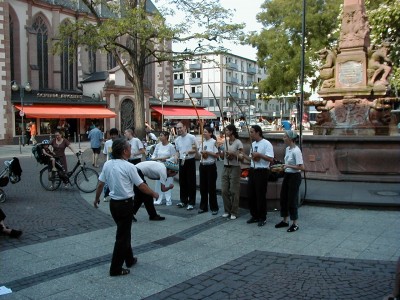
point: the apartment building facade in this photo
(223, 76)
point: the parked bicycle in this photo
(85, 178)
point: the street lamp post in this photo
(228, 113)
(163, 97)
(249, 89)
(15, 87)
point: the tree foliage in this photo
(136, 34)
(384, 18)
(279, 43)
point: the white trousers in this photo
(167, 194)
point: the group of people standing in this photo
(125, 174)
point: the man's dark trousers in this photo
(122, 213)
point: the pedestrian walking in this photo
(59, 145)
(186, 147)
(208, 172)
(291, 182)
(96, 137)
(260, 157)
(121, 176)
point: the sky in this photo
(246, 11)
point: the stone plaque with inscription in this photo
(350, 73)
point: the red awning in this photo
(66, 111)
(176, 112)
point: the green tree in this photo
(384, 18)
(136, 34)
(279, 43)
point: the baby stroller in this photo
(11, 173)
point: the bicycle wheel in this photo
(2, 196)
(48, 180)
(86, 180)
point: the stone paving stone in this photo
(294, 277)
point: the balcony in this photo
(196, 66)
(232, 80)
(251, 70)
(235, 95)
(179, 81)
(178, 68)
(197, 95)
(179, 96)
(231, 66)
(195, 81)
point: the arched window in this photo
(111, 62)
(42, 51)
(127, 111)
(67, 66)
(92, 60)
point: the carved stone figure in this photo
(380, 64)
(327, 70)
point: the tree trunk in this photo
(139, 108)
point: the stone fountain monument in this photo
(355, 81)
(352, 140)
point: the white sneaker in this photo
(233, 217)
(225, 215)
(157, 202)
(168, 203)
(190, 207)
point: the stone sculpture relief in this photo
(327, 70)
(355, 29)
(379, 64)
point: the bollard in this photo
(19, 142)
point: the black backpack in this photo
(38, 153)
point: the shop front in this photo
(72, 114)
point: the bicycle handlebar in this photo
(79, 153)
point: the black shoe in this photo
(134, 219)
(15, 233)
(156, 218)
(252, 220)
(293, 228)
(122, 272)
(282, 224)
(200, 211)
(129, 265)
(262, 223)
(214, 212)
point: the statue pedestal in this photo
(351, 69)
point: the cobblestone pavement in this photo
(267, 275)
(46, 215)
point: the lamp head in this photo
(14, 86)
(28, 87)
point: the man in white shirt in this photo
(107, 152)
(121, 176)
(156, 171)
(137, 148)
(186, 148)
